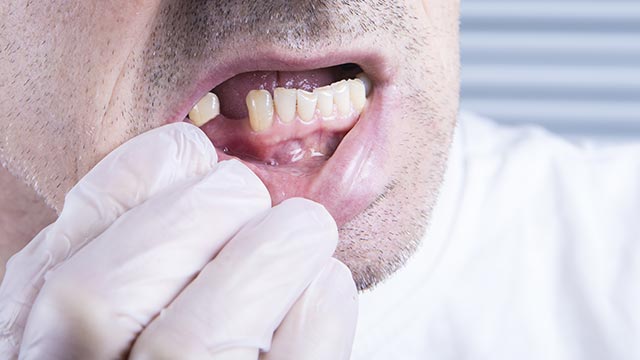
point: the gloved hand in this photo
(162, 252)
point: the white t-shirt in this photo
(533, 252)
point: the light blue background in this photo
(572, 66)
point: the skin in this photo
(78, 78)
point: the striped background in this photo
(570, 65)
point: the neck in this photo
(22, 215)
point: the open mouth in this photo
(288, 120)
(315, 132)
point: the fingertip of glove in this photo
(315, 210)
(337, 275)
(313, 218)
(191, 133)
(245, 178)
(177, 140)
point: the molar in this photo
(260, 106)
(306, 105)
(206, 109)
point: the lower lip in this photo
(352, 178)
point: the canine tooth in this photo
(357, 94)
(366, 81)
(341, 97)
(206, 109)
(260, 106)
(285, 102)
(325, 100)
(306, 105)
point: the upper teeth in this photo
(339, 99)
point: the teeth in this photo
(285, 101)
(306, 105)
(325, 100)
(341, 97)
(357, 94)
(260, 107)
(366, 81)
(206, 109)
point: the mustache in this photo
(187, 33)
(188, 24)
(192, 26)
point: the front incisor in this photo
(306, 105)
(260, 106)
(325, 101)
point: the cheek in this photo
(111, 46)
(98, 45)
(64, 58)
(441, 19)
(442, 16)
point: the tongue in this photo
(232, 93)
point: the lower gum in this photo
(293, 152)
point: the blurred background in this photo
(572, 66)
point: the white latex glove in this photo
(161, 249)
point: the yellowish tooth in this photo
(285, 102)
(260, 106)
(366, 81)
(325, 100)
(357, 94)
(206, 109)
(306, 105)
(341, 97)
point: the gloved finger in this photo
(134, 172)
(102, 297)
(322, 323)
(234, 305)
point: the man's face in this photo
(78, 78)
